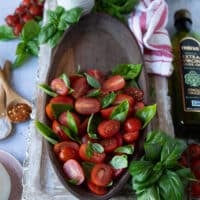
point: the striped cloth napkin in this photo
(148, 22)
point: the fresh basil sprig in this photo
(58, 21)
(157, 174)
(28, 45)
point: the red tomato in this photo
(57, 147)
(74, 171)
(132, 124)
(59, 86)
(138, 105)
(49, 111)
(96, 74)
(106, 112)
(87, 106)
(83, 127)
(194, 151)
(17, 29)
(195, 167)
(67, 153)
(36, 10)
(80, 87)
(136, 93)
(108, 128)
(109, 144)
(56, 126)
(96, 189)
(95, 158)
(114, 83)
(85, 139)
(27, 17)
(20, 10)
(183, 160)
(65, 121)
(62, 100)
(12, 20)
(195, 189)
(122, 97)
(131, 137)
(26, 3)
(101, 174)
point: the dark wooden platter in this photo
(97, 41)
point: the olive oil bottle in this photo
(185, 84)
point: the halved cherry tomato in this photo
(119, 138)
(56, 127)
(95, 158)
(57, 147)
(80, 87)
(194, 151)
(63, 119)
(59, 86)
(87, 106)
(132, 124)
(108, 128)
(114, 83)
(67, 153)
(96, 189)
(96, 74)
(109, 144)
(49, 111)
(131, 137)
(122, 97)
(74, 171)
(101, 174)
(106, 112)
(62, 100)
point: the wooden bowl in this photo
(97, 41)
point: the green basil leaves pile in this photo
(158, 174)
(116, 8)
(58, 21)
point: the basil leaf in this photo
(152, 151)
(172, 151)
(150, 193)
(21, 48)
(87, 167)
(185, 174)
(92, 81)
(20, 59)
(70, 134)
(94, 93)
(108, 99)
(72, 123)
(119, 162)
(93, 147)
(46, 132)
(120, 112)
(33, 47)
(59, 11)
(72, 16)
(59, 108)
(66, 80)
(30, 30)
(72, 181)
(6, 33)
(63, 25)
(47, 90)
(127, 149)
(157, 137)
(46, 33)
(93, 122)
(52, 16)
(54, 40)
(146, 114)
(140, 170)
(128, 71)
(171, 186)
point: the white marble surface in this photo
(22, 80)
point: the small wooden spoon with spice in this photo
(18, 109)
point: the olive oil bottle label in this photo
(190, 74)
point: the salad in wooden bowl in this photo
(96, 107)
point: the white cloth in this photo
(148, 22)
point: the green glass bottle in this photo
(185, 84)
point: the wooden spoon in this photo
(18, 109)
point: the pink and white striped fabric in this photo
(148, 23)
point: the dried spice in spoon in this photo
(18, 109)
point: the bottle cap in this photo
(182, 14)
